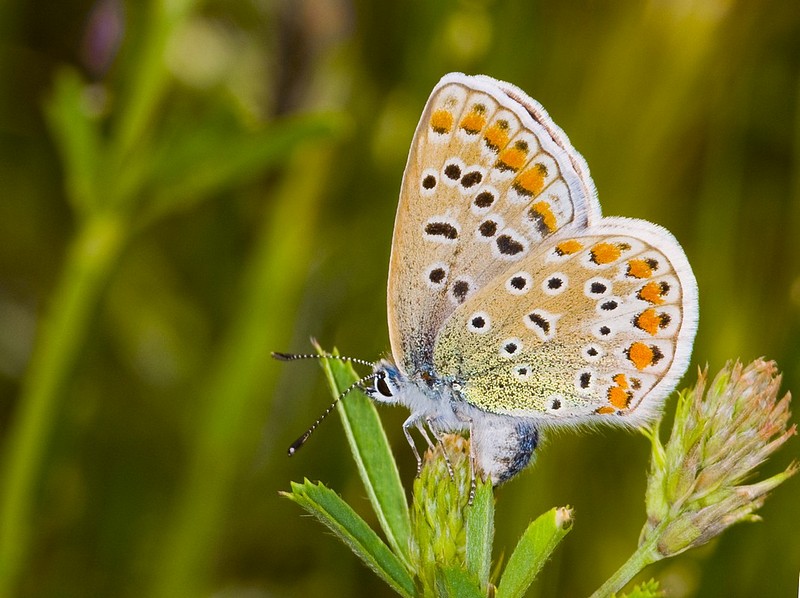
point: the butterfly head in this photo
(387, 384)
(429, 397)
(420, 392)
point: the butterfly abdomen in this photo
(503, 445)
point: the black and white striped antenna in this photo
(297, 444)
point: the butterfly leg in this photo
(414, 421)
(469, 422)
(439, 439)
(473, 486)
(424, 433)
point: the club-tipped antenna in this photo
(295, 446)
(295, 356)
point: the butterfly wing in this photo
(489, 177)
(590, 323)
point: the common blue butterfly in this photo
(513, 305)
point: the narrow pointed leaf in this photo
(199, 163)
(77, 137)
(373, 456)
(339, 517)
(532, 551)
(452, 582)
(480, 533)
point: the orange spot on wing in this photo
(531, 181)
(641, 268)
(620, 380)
(641, 355)
(648, 320)
(473, 122)
(605, 253)
(512, 158)
(604, 410)
(541, 211)
(653, 293)
(568, 247)
(619, 397)
(496, 136)
(442, 121)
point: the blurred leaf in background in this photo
(241, 160)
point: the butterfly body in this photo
(514, 306)
(503, 444)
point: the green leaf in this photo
(77, 137)
(373, 456)
(194, 164)
(532, 551)
(330, 509)
(452, 582)
(480, 533)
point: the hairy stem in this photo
(646, 554)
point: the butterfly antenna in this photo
(295, 446)
(295, 356)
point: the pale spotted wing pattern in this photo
(582, 330)
(506, 281)
(489, 177)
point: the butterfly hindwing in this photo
(590, 324)
(489, 177)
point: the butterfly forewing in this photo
(489, 178)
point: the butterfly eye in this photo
(382, 387)
(608, 305)
(452, 171)
(521, 372)
(461, 288)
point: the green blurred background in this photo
(187, 186)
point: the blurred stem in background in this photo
(90, 259)
(233, 412)
(117, 183)
(102, 202)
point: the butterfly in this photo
(514, 306)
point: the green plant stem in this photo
(231, 402)
(645, 555)
(148, 79)
(90, 259)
